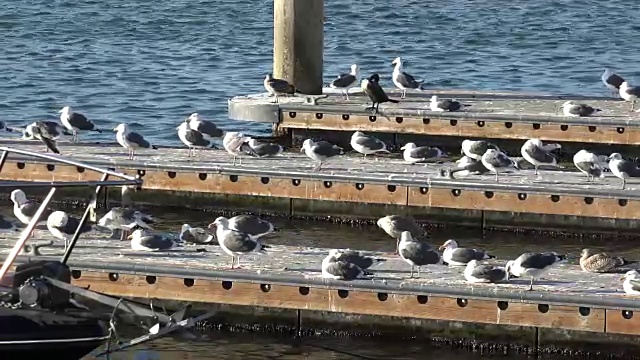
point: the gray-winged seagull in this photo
(332, 268)
(344, 82)
(235, 243)
(476, 148)
(445, 105)
(131, 140)
(600, 262)
(75, 122)
(403, 80)
(355, 257)
(277, 87)
(496, 161)
(236, 144)
(630, 93)
(264, 149)
(484, 273)
(395, 225)
(141, 240)
(569, 108)
(466, 166)
(537, 153)
(62, 226)
(195, 235)
(208, 129)
(417, 253)
(126, 219)
(458, 256)
(367, 144)
(251, 225)
(45, 133)
(589, 164)
(623, 169)
(193, 139)
(320, 151)
(611, 81)
(533, 265)
(25, 209)
(631, 284)
(414, 154)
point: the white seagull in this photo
(131, 140)
(208, 129)
(251, 225)
(367, 144)
(476, 148)
(277, 87)
(445, 105)
(320, 151)
(612, 81)
(141, 240)
(62, 226)
(264, 149)
(484, 273)
(25, 209)
(414, 154)
(417, 253)
(344, 82)
(630, 93)
(589, 164)
(457, 256)
(533, 265)
(75, 122)
(333, 268)
(195, 235)
(236, 143)
(495, 161)
(193, 138)
(537, 153)
(631, 284)
(403, 80)
(623, 169)
(235, 243)
(577, 110)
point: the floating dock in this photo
(351, 187)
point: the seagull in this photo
(374, 91)
(594, 262)
(575, 110)
(55, 130)
(7, 226)
(623, 169)
(131, 140)
(208, 129)
(62, 226)
(277, 87)
(332, 268)
(445, 105)
(484, 273)
(75, 122)
(496, 160)
(414, 154)
(195, 235)
(402, 80)
(25, 209)
(395, 225)
(265, 149)
(612, 81)
(236, 143)
(629, 93)
(367, 144)
(251, 225)
(126, 219)
(235, 243)
(417, 253)
(533, 265)
(466, 166)
(193, 138)
(355, 257)
(320, 151)
(41, 131)
(143, 241)
(631, 283)
(588, 163)
(455, 256)
(476, 148)
(344, 82)
(537, 153)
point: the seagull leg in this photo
(239, 160)
(624, 183)
(535, 169)
(633, 105)
(404, 93)
(233, 261)
(346, 93)
(531, 286)
(496, 176)
(418, 271)
(234, 159)
(411, 275)
(318, 167)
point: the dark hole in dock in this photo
(555, 198)
(508, 125)
(543, 308)
(522, 196)
(141, 173)
(303, 290)
(51, 167)
(343, 294)
(584, 311)
(453, 122)
(265, 288)
(295, 182)
(189, 282)
(359, 186)
(424, 190)
(113, 276)
(79, 169)
(151, 279)
(456, 192)
(592, 128)
(399, 119)
(233, 178)
(383, 296)
(503, 305)
(588, 200)
(345, 117)
(391, 188)
(171, 174)
(564, 127)
(627, 314)
(202, 176)
(620, 130)
(480, 123)
(422, 299)
(292, 114)
(328, 184)
(426, 121)
(623, 202)
(264, 180)
(319, 116)
(20, 165)
(372, 118)
(536, 126)
(76, 274)
(488, 194)
(227, 285)
(462, 302)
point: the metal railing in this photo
(124, 180)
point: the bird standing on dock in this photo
(445, 105)
(395, 225)
(630, 93)
(417, 253)
(193, 139)
(62, 226)
(75, 122)
(414, 154)
(251, 225)
(623, 169)
(320, 151)
(55, 130)
(277, 87)
(141, 240)
(374, 91)
(25, 209)
(264, 149)
(533, 265)
(208, 129)
(457, 256)
(484, 273)
(131, 140)
(126, 219)
(46, 133)
(333, 268)
(403, 80)
(476, 148)
(235, 243)
(367, 144)
(236, 143)
(631, 284)
(537, 153)
(195, 235)
(496, 161)
(611, 81)
(355, 257)
(345, 82)
(595, 262)
(577, 110)
(588, 163)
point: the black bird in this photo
(372, 88)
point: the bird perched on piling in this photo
(631, 284)
(600, 262)
(367, 144)
(195, 235)
(611, 81)
(403, 80)
(62, 226)
(630, 93)
(475, 272)
(417, 253)
(476, 148)
(414, 154)
(589, 164)
(277, 87)
(320, 151)
(537, 153)
(458, 256)
(48, 132)
(533, 265)
(25, 209)
(193, 139)
(497, 161)
(142, 240)
(445, 105)
(623, 169)
(236, 144)
(76, 122)
(264, 149)
(334, 268)
(207, 128)
(374, 91)
(235, 243)
(577, 110)
(355, 257)
(131, 140)
(345, 82)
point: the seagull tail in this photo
(488, 256)
(51, 145)
(367, 273)
(393, 101)
(597, 110)
(422, 86)
(154, 147)
(465, 105)
(98, 130)
(379, 259)
(263, 248)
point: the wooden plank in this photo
(42, 172)
(623, 322)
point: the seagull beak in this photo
(130, 237)
(623, 278)
(441, 247)
(115, 130)
(301, 149)
(212, 226)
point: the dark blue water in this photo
(156, 61)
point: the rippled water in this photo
(155, 61)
